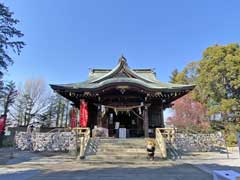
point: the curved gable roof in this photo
(122, 74)
(122, 67)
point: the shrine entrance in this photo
(127, 121)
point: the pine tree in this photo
(8, 37)
(9, 95)
(173, 76)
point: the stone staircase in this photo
(130, 151)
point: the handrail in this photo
(161, 143)
(83, 136)
(168, 133)
(164, 137)
(58, 130)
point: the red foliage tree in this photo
(189, 115)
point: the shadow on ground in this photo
(15, 157)
(168, 172)
(67, 168)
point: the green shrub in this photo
(231, 139)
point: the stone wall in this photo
(200, 142)
(66, 141)
(37, 141)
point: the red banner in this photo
(83, 113)
(73, 118)
(2, 123)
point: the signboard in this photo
(122, 133)
(117, 124)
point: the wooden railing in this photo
(59, 130)
(82, 138)
(161, 143)
(164, 136)
(168, 134)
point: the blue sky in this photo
(66, 37)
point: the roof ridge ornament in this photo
(122, 59)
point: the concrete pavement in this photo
(59, 166)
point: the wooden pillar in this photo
(99, 118)
(145, 121)
(162, 119)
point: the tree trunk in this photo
(6, 104)
(49, 116)
(58, 113)
(62, 115)
(66, 114)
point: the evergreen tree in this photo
(173, 76)
(8, 38)
(58, 111)
(219, 80)
(9, 95)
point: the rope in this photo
(123, 108)
(137, 115)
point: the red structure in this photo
(73, 118)
(83, 114)
(2, 124)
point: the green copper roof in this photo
(122, 75)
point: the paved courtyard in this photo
(104, 172)
(27, 165)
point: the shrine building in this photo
(134, 98)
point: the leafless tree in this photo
(32, 101)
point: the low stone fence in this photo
(66, 141)
(55, 141)
(200, 142)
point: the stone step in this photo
(125, 149)
(124, 144)
(120, 147)
(119, 157)
(121, 150)
(124, 154)
(124, 141)
(121, 139)
(145, 162)
(121, 144)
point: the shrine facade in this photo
(133, 99)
